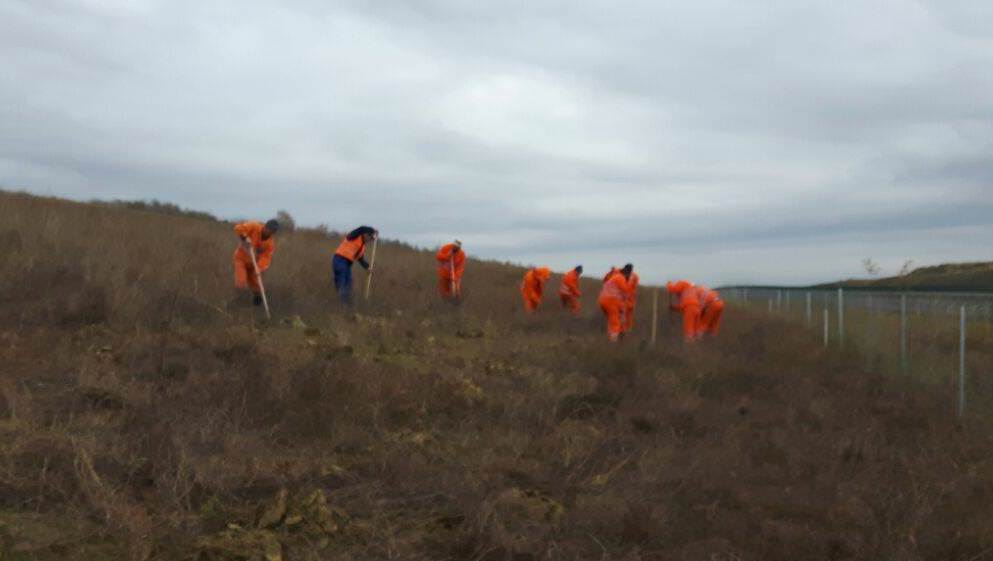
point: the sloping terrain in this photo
(147, 412)
(950, 276)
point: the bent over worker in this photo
(569, 290)
(257, 236)
(632, 299)
(350, 250)
(533, 286)
(451, 265)
(613, 301)
(684, 297)
(712, 309)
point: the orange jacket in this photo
(616, 289)
(609, 274)
(352, 250)
(534, 282)
(263, 248)
(445, 257)
(685, 294)
(706, 296)
(570, 284)
(633, 281)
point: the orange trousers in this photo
(629, 317)
(710, 322)
(614, 310)
(531, 302)
(244, 275)
(691, 322)
(445, 287)
(571, 302)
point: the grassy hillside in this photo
(147, 412)
(953, 276)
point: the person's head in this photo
(368, 237)
(578, 269)
(626, 271)
(458, 245)
(270, 229)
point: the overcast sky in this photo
(779, 141)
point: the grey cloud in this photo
(720, 138)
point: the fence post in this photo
(841, 317)
(746, 296)
(787, 301)
(655, 314)
(962, 362)
(770, 305)
(809, 316)
(779, 299)
(903, 332)
(827, 333)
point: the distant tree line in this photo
(159, 207)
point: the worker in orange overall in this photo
(610, 273)
(632, 300)
(712, 309)
(613, 301)
(684, 298)
(257, 236)
(533, 286)
(350, 250)
(569, 290)
(451, 265)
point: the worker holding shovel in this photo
(350, 250)
(451, 265)
(684, 298)
(253, 256)
(569, 291)
(632, 299)
(533, 286)
(613, 301)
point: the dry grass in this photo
(147, 413)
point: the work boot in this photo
(257, 300)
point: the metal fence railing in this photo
(942, 339)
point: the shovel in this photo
(258, 277)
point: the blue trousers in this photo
(342, 278)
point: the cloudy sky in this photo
(776, 141)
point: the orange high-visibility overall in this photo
(713, 310)
(244, 273)
(632, 301)
(533, 286)
(685, 299)
(613, 302)
(569, 292)
(451, 265)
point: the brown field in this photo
(148, 412)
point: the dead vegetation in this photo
(147, 413)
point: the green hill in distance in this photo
(950, 276)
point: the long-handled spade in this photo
(456, 291)
(372, 266)
(258, 277)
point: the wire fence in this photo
(940, 339)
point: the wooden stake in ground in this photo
(451, 265)
(258, 278)
(372, 265)
(655, 313)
